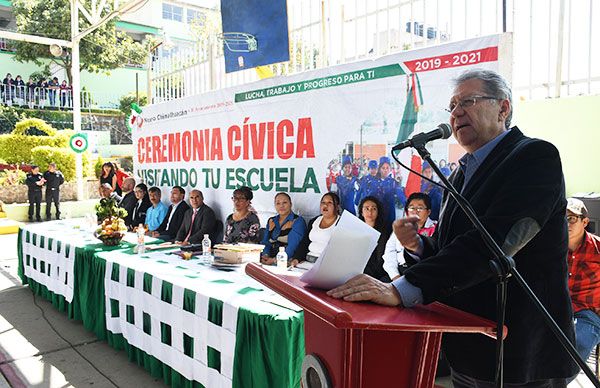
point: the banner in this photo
(300, 133)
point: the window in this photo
(193, 15)
(172, 12)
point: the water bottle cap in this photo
(281, 249)
(206, 235)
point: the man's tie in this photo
(169, 216)
(135, 211)
(191, 224)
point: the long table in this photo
(183, 321)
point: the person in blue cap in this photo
(388, 191)
(368, 183)
(444, 168)
(347, 186)
(434, 191)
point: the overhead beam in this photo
(34, 39)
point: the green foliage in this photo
(12, 177)
(126, 100)
(24, 127)
(104, 49)
(45, 73)
(98, 167)
(64, 159)
(126, 163)
(18, 148)
(107, 207)
(10, 115)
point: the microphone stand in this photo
(504, 268)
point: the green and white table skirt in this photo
(183, 321)
(183, 313)
(48, 257)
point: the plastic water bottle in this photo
(206, 245)
(282, 258)
(141, 248)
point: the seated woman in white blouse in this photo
(417, 204)
(319, 230)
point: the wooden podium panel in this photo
(367, 345)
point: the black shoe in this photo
(58, 217)
(39, 219)
(30, 219)
(48, 218)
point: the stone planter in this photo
(68, 192)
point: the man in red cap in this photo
(584, 277)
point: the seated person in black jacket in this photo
(128, 199)
(197, 221)
(370, 210)
(167, 231)
(143, 203)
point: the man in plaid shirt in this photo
(584, 277)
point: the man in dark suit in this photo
(516, 187)
(128, 200)
(198, 221)
(167, 230)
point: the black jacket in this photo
(53, 179)
(176, 221)
(138, 214)
(374, 266)
(128, 202)
(31, 182)
(204, 223)
(518, 193)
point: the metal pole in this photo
(149, 78)
(503, 15)
(211, 64)
(559, 49)
(75, 87)
(137, 88)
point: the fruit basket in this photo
(110, 239)
(112, 229)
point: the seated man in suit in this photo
(128, 199)
(198, 221)
(172, 222)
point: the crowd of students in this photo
(187, 224)
(42, 93)
(380, 179)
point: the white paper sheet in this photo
(345, 256)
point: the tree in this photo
(104, 49)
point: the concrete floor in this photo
(41, 347)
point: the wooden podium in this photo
(367, 345)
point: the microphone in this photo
(443, 131)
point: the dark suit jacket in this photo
(176, 221)
(128, 202)
(140, 216)
(204, 223)
(518, 193)
(374, 266)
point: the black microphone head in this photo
(446, 130)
